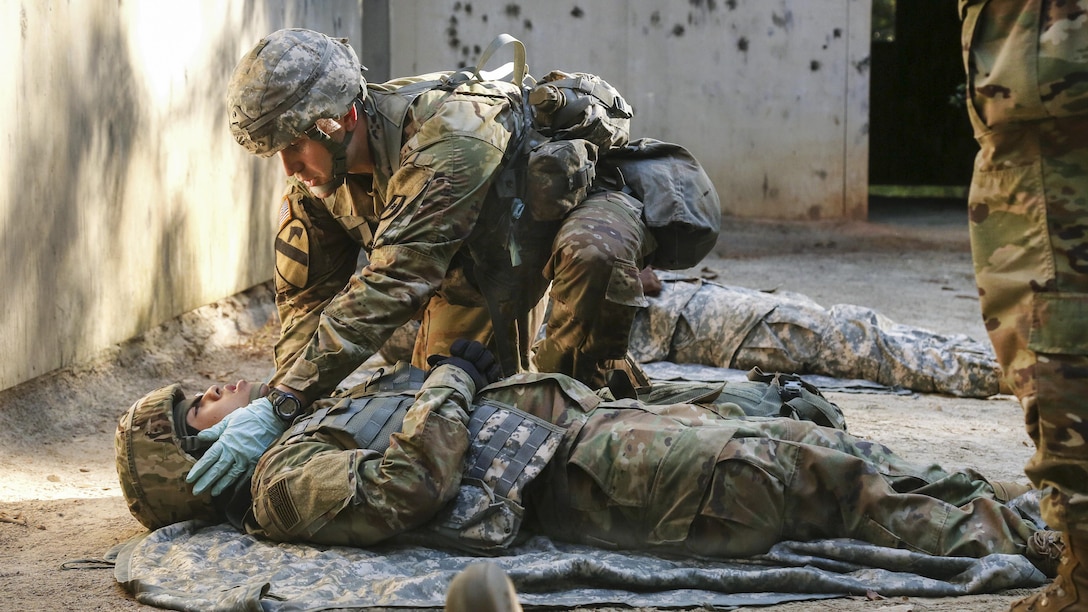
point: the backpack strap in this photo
(518, 69)
(510, 325)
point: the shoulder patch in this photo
(285, 211)
(293, 253)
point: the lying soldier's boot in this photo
(1005, 491)
(482, 587)
(1069, 591)
(1045, 550)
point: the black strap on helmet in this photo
(339, 150)
(193, 445)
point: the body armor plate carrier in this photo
(508, 448)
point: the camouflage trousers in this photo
(778, 479)
(1029, 227)
(698, 321)
(595, 288)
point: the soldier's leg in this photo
(849, 341)
(790, 480)
(1028, 207)
(595, 290)
(787, 332)
(1029, 227)
(442, 323)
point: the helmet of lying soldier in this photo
(156, 443)
(156, 446)
(154, 455)
(288, 82)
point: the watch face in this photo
(286, 406)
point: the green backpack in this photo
(762, 395)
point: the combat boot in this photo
(1069, 591)
(482, 587)
(1007, 491)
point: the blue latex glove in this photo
(239, 440)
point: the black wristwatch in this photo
(285, 405)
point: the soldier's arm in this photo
(315, 257)
(421, 470)
(433, 202)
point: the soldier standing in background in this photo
(1027, 71)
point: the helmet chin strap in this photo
(339, 151)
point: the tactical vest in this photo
(508, 449)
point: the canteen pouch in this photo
(558, 177)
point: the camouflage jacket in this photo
(617, 468)
(437, 152)
(609, 459)
(601, 474)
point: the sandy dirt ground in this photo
(59, 498)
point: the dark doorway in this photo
(920, 140)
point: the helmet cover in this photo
(292, 78)
(152, 463)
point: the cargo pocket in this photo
(1059, 324)
(1059, 337)
(558, 177)
(406, 189)
(624, 286)
(1003, 62)
(1009, 235)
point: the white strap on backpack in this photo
(516, 71)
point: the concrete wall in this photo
(127, 203)
(771, 95)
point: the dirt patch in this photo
(59, 499)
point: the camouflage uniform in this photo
(1027, 67)
(698, 321)
(677, 477)
(430, 221)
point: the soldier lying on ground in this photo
(464, 467)
(693, 320)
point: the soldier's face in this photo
(220, 400)
(308, 161)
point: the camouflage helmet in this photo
(153, 458)
(292, 78)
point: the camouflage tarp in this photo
(192, 566)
